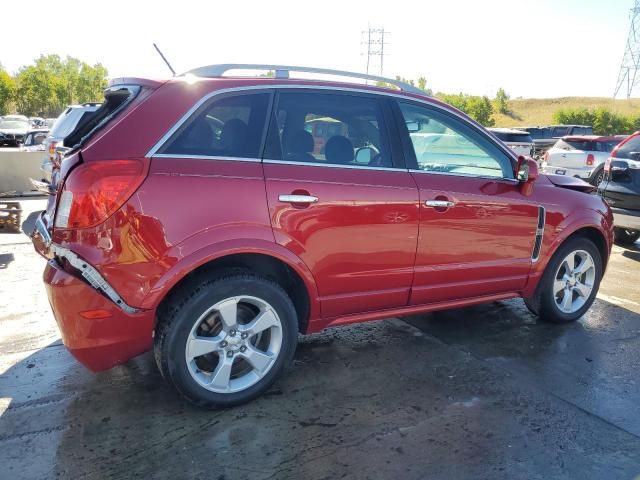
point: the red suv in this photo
(213, 218)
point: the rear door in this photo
(341, 199)
(477, 229)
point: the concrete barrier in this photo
(17, 167)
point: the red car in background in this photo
(197, 218)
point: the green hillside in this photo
(539, 111)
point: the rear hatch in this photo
(118, 100)
(568, 153)
(621, 187)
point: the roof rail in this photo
(283, 71)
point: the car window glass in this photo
(329, 128)
(630, 149)
(444, 146)
(228, 127)
(560, 131)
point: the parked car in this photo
(63, 126)
(34, 140)
(194, 217)
(621, 188)
(545, 137)
(19, 118)
(12, 131)
(517, 140)
(580, 156)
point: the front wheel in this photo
(597, 177)
(224, 341)
(624, 236)
(570, 282)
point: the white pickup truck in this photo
(581, 156)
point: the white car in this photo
(519, 141)
(12, 131)
(581, 156)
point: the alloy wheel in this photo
(574, 280)
(233, 344)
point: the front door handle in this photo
(439, 203)
(298, 199)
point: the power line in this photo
(628, 76)
(375, 40)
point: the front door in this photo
(477, 229)
(340, 199)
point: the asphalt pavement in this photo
(480, 392)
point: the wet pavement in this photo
(481, 392)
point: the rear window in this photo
(115, 100)
(513, 137)
(68, 121)
(606, 146)
(575, 145)
(630, 150)
(226, 127)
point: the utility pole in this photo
(628, 75)
(375, 42)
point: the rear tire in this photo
(570, 282)
(223, 341)
(624, 236)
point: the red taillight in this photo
(590, 159)
(95, 190)
(52, 150)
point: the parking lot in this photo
(482, 392)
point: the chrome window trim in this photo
(208, 157)
(266, 88)
(468, 175)
(334, 165)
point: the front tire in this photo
(597, 177)
(624, 236)
(570, 282)
(224, 341)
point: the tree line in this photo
(480, 108)
(603, 121)
(45, 87)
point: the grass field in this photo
(539, 111)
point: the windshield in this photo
(13, 124)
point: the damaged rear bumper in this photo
(98, 327)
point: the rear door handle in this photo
(298, 199)
(439, 203)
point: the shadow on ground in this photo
(482, 392)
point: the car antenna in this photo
(173, 72)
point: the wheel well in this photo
(598, 239)
(270, 267)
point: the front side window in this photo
(328, 128)
(444, 145)
(227, 127)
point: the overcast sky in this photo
(541, 48)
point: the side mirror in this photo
(526, 170)
(619, 170)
